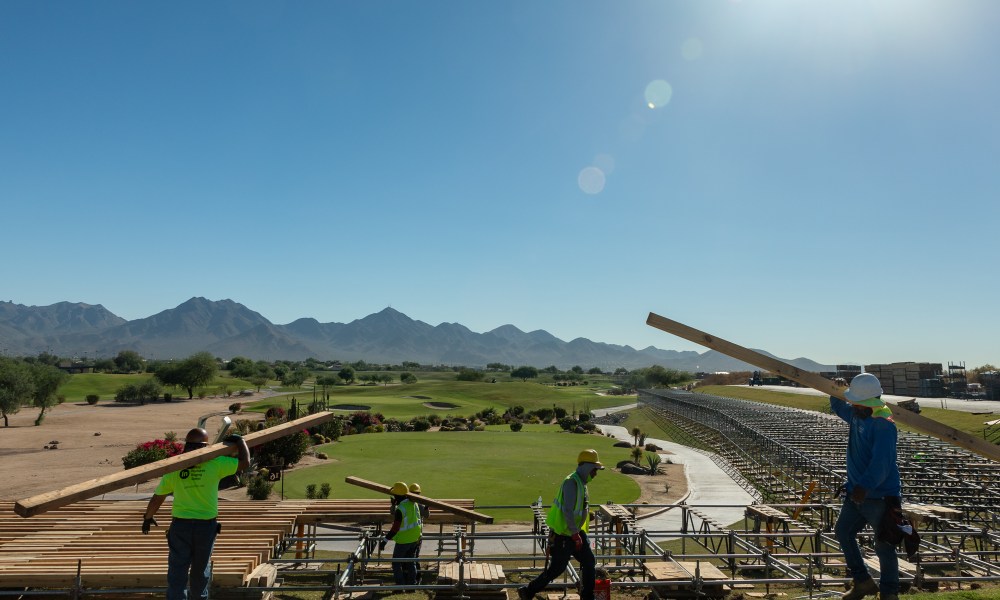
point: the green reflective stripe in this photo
(411, 527)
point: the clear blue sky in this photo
(816, 178)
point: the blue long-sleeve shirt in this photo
(871, 453)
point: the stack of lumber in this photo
(104, 539)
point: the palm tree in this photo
(636, 454)
(635, 435)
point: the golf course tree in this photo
(407, 377)
(195, 371)
(295, 377)
(259, 374)
(47, 380)
(524, 373)
(16, 386)
(347, 374)
(129, 361)
(241, 367)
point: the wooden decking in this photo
(104, 539)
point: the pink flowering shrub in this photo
(153, 451)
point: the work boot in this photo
(523, 593)
(868, 587)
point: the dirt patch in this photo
(440, 405)
(666, 488)
(350, 407)
(28, 469)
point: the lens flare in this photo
(605, 162)
(591, 180)
(658, 93)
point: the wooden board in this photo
(88, 489)
(682, 571)
(458, 510)
(474, 572)
(818, 382)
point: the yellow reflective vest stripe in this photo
(556, 519)
(412, 526)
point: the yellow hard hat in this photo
(589, 456)
(399, 489)
(414, 488)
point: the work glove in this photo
(232, 438)
(381, 544)
(146, 523)
(858, 494)
(577, 541)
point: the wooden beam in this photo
(88, 489)
(818, 382)
(458, 510)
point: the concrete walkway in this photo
(972, 406)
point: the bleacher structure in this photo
(790, 460)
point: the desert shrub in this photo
(588, 426)
(286, 450)
(324, 490)
(170, 436)
(322, 455)
(311, 491)
(420, 424)
(245, 426)
(153, 451)
(334, 428)
(544, 414)
(235, 407)
(567, 423)
(318, 438)
(516, 426)
(517, 411)
(168, 397)
(259, 488)
(560, 412)
(584, 416)
(276, 413)
(92, 399)
(653, 460)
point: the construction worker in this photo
(406, 531)
(872, 485)
(567, 520)
(193, 526)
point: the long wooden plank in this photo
(818, 382)
(458, 510)
(87, 489)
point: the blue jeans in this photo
(559, 554)
(405, 573)
(852, 520)
(190, 542)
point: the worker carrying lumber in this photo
(193, 526)
(568, 519)
(406, 531)
(873, 485)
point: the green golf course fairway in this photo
(496, 468)
(468, 397)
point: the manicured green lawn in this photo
(407, 401)
(494, 467)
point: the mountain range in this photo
(227, 328)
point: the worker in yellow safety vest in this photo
(567, 520)
(406, 530)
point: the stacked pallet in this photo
(903, 378)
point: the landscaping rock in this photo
(652, 448)
(622, 445)
(633, 469)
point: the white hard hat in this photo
(865, 388)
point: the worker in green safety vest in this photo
(406, 530)
(567, 520)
